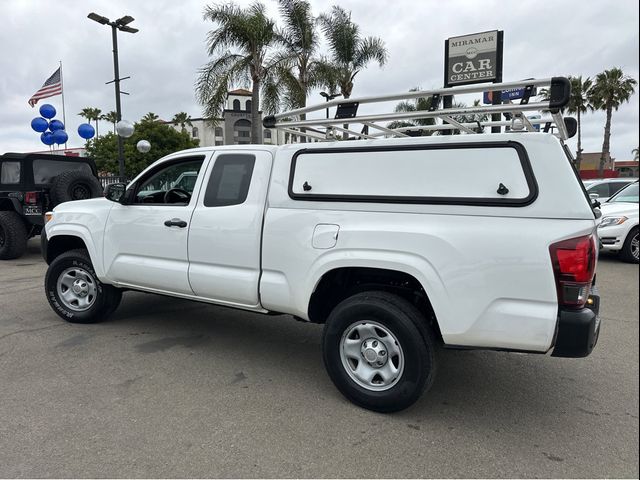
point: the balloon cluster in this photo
(51, 130)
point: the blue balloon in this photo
(56, 125)
(47, 111)
(86, 131)
(60, 137)
(39, 124)
(47, 138)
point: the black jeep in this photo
(33, 183)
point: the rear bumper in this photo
(578, 330)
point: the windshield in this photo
(626, 195)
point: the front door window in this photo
(172, 184)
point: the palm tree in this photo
(251, 33)
(477, 118)
(183, 119)
(91, 114)
(611, 89)
(350, 51)
(149, 117)
(636, 153)
(579, 104)
(298, 73)
(111, 117)
(414, 105)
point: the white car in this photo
(618, 229)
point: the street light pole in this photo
(116, 71)
(329, 96)
(122, 25)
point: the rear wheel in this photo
(13, 236)
(74, 291)
(379, 351)
(631, 248)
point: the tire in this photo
(74, 185)
(92, 302)
(13, 236)
(629, 252)
(388, 330)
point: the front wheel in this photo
(379, 351)
(631, 249)
(74, 291)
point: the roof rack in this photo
(376, 125)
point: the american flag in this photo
(53, 86)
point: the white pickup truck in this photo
(397, 245)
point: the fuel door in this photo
(325, 236)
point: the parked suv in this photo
(31, 184)
(618, 229)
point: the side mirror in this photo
(594, 196)
(115, 192)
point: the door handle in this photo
(175, 222)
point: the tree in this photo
(111, 117)
(636, 153)
(470, 117)
(414, 105)
(579, 103)
(91, 114)
(163, 138)
(251, 33)
(183, 119)
(149, 118)
(350, 52)
(298, 71)
(610, 89)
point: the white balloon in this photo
(143, 146)
(124, 128)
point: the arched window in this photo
(236, 104)
(248, 104)
(242, 132)
(218, 132)
(194, 132)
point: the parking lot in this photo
(169, 388)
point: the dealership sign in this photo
(475, 58)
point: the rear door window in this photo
(44, 171)
(230, 180)
(10, 173)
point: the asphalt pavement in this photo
(171, 388)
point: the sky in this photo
(541, 39)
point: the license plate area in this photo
(32, 210)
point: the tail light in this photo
(574, 266)
(31, 198)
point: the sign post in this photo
(475, 58)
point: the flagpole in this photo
(64, 117)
